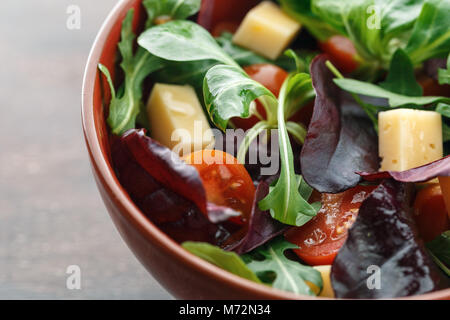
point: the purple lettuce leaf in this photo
(340, 140)
(166, 167)
(173, 213)
(431, 67)
(438, 168)
(262, 227)
(384, 238)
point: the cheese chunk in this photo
(266, 30)
(327, 290)
(409, 138)
(177, 119)
(445, 188)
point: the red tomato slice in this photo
(431, 87)
(227, 182)
(342, 53)
(213, 12)
(270, 76)
(321, 238)
(430, 212)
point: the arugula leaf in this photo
(228, 261)
(229, 91)
(440, 251)
(284, 200)
(173, 9)
(183, 41)
(401, 78)
(124, 108)
(301, 11)
(444, 74)
(284, 274)
(431, 34)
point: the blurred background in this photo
(51, 214)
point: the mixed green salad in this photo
(338, 183)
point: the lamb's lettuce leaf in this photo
(431, 33)
(301, 11)
(170, 9)
(183, 41)
(378, 28)
(440, 250)
(401, 78)
(226, 260)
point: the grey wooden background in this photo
(51, 214)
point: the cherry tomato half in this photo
(227, 182)
(321, 238)
(342, 53)
(430, 212)
(213, 12)
(270, 76)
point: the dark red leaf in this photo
(431, 67)
(438, 168)
(173, 213)
(384, 237)
(262, 227)
(340, 140)
(166, 167)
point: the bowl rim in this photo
(133, 214)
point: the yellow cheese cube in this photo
(327, 290)
(445, 188)
(266, 30)
(177, 119)
(409, 138)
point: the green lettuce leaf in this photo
(228, 261)
(444, 74)
(173, 9)
(183, 41)
(301, 11)
(401, 78)
(440, 251)
(431, 34)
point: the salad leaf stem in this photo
(251, 135)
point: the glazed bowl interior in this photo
(168, 262)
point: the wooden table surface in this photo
(51, 214)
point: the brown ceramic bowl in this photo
(181, 273)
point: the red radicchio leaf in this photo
(173, 213)
(340, 140)
(262, 227)
(166, 167)
(385, 236)
(438, 168)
